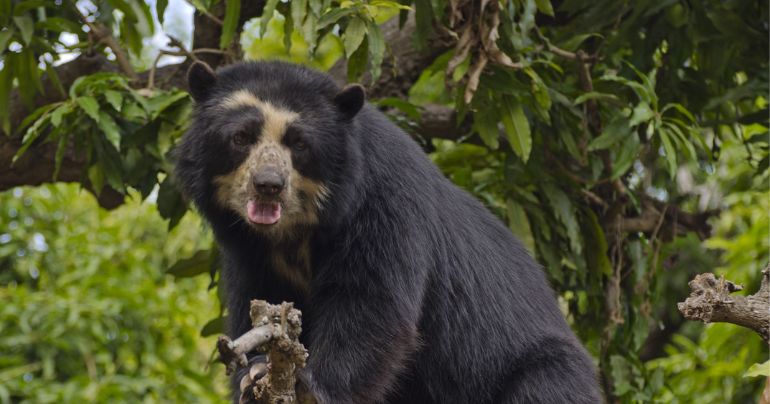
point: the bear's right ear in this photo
(200, 79)
(350, 100)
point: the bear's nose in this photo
(268, 182)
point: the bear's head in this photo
(267, 145)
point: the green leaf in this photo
(406, 107)
(423, 16)
(35, 115)
(333, 15)
(109, 128)
(640, 90)
(485, 123)
(310, 34)
(58, 113)
(681, 139)
(58, 24)
(191, 266)
(24, 65)
(96, 177)
(540, 92)
(288, 29)
(115, 99)
(298, 12)
(354, 35)
(598, 245)
(376, 49)
(267, 15)
(642, 113)
(625, 157)
(26, 26)
(564, 211)
(34, 131)
(613, 133)
(213, 327)
(544, 6)
(516, 127)
(574, 42)
(669, 150)
(160, 9)
(595, 95)
(5, 37)
(156, 105)
(53, 77)
(519, 224)
(230, 23)
(90, 106)
(110, 162)
(171, 205)
(758, 369)
(61, 147)
(682, 110)
(357, 62)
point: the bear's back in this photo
(484, 286)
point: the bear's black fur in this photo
(418, 294)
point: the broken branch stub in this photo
(276, 333)
(710, 301)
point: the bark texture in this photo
(276, 333)
(711, 301)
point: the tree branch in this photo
(711, 302)
(276, 330)
(662, 220)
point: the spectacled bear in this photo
(411, 290)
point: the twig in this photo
(102, 34)
(555, 49)
(172, 41)
(594, 198)
(212, 17)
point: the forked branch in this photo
(275, 333)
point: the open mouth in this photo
(263, 212)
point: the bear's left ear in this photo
(200, 79)
(350, 100)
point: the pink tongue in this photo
(264, 212)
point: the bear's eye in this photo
(241, 139)
(299, 145)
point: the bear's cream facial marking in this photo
(265, 190)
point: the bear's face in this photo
(271, 186)
(267, 144)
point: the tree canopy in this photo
(626, 143)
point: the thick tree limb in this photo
(664, 220)
(711, 302)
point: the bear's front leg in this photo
(363, 332)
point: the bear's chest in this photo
(291, 261)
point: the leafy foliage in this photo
(88, 314)
(591, 127)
